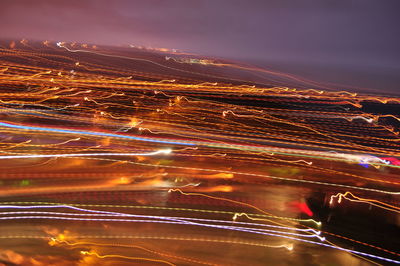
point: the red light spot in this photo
(392, 160)
(303, 207)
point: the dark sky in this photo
(341, 32)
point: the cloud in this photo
(339, 32)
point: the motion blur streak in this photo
(123, 155)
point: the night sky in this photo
(345, 34)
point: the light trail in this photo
(82, 132)
(55, 240)
(125, 257)
(345, 157)
(164, 152)
(212, 226)
(178, 220)
(254, 153)
(354, 198)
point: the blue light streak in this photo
(91, 133)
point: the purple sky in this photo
(341, 32)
